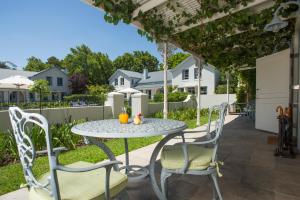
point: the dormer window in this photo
(121, 81)
(116, 81)
(185, 74)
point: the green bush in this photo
(241, 94)
(158, 97)
(8, 148)
(182, 114)
(61, 136)
(222, 89)
(86, 98)
(172, 97)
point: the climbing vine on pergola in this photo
(232, 41)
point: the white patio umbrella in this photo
(129, 91)
(16, 82)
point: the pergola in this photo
(226, 33)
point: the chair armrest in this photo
(191, 131)
(56, 150)
(86, 169)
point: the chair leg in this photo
(213, 187)
(163, 181)
(216, 188)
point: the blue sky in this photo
(44, 28)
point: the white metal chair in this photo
(195, 158)
(78, 181)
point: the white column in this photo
(116, 101)
(199, 65)
(139, 104)
(165, 81)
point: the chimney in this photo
(145, 74)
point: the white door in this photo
(272, 88)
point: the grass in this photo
(11, 176)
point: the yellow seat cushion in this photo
(199, 157)
(82, 185)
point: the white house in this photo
(184, 77)
(57, 78)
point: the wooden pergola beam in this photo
(147, 6)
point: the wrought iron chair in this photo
(80, 180)
(195, 158)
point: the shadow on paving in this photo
(250, 171)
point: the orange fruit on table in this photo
(123, 118)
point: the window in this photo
(49, 79)
(1, 96)
(116, 81)
(180, 89)
(191, 90)
(185, 74)
(196, 74)
(132, 82)
(203, 90)
(59, 81)
(122, 81)
(149, 94)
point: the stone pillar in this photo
(139, 104)
(116, 101)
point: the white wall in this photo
(272, 83)
(60, 115)
(216, 99)
(208, 77)
(206, 101)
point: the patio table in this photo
(111, 128)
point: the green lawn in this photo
(11, 176)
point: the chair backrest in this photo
(222, 110)
(21, 122)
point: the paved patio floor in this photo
(250, 171)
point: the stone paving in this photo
(250, 172)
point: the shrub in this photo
(61, 136)
(177, 96)
(241, 94)
(222, 89)
(172, 97)
(86, 98)
(182, 114)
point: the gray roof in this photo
(157, 76)
(131, 74)
(5, 73)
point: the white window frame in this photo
(185, 74)
(122, 81)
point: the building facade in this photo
(184, 77)
(58, 82)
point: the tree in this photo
(99, 89)
(176, 59)
(78, 83)
(41, 87)
(53, 61)
(35, 64)
(96, 67)
(136, 61)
